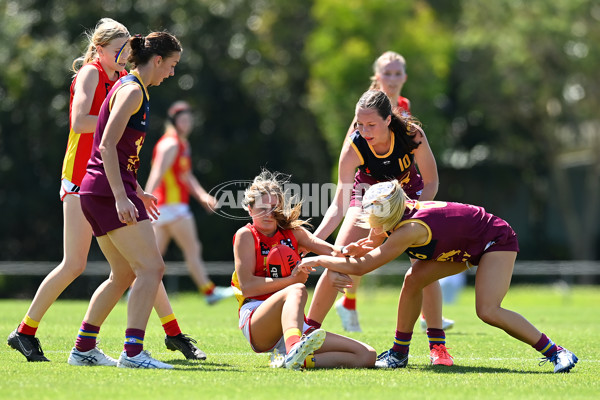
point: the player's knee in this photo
(297, 291)
(149, 268)
(123, 279)
(73, 268)
(487, 313)
(193, 250)
(366, 357)
(412, 281)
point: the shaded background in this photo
(507, 92)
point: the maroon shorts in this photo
(502, 237)
(362, 182)
(101, 212)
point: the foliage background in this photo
(507, 92)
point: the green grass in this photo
(488, 363)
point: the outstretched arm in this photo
(401, 239)
(312, 243)
(206, 200)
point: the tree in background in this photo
(506, 87)
(242, 69)
(347, 39)
(525, 92)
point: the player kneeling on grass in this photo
(271, 313)
(446, 238)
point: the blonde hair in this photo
(383, 59)
(383, 206)
(106, 31)
(271, 183)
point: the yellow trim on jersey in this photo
(69, 160)
(143, 86)
(237, 292)
(362, 160)
(417, 221)
(135, 73)
(171, 188)
(112, 98)
(393, 140)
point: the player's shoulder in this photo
(131, 90)
(299, 231)
(167, 142)
(88, 72)
(243, 233)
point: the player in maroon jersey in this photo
(389, 76)
(118, 209)
(385, 146)
(446, 239)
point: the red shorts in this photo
(101, 212)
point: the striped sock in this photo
(86, 339)
(291, 337)
(349, 301)
(170, 325)
(208, 288)
(436, 336)
(402, 342)
(546, 346)
(28, 326)
(134, 341)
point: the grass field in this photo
(488, 363)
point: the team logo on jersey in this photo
(288, 243)
(264, 249)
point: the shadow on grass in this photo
(187, 365)
(458, 369)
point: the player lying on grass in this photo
(271, 310)
(446, 238)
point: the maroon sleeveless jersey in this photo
(95, 181)
(457, 232)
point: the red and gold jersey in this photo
(262, 246)
(172, 189)
(79, 145)
(403, 105)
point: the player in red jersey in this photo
(102, 67)
(172, 181)
(271, 310)
(446, 239)
(389, 77)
